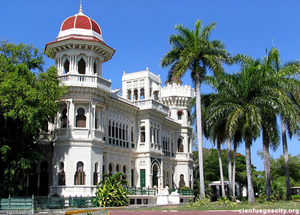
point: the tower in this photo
(178, 97)
(79, 51)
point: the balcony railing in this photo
(85, 80)
(140, 191)
(152, 104)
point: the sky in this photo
(139, 31)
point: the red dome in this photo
(80, 21)
(81, 26)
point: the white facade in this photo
(145, 133)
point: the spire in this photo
(80, 8)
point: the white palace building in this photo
(142, 130)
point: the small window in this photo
(142, 93)
(79, 175)
(180, 145)
(95, 68)
(64, 118)
(61, 174)
(96, 174)
(179, 115)
(81, 66)
(143, 137)
(66, 66)
(80, 118)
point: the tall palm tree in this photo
(192, 50)
(239, 102)
(216, 132)
(287, 89)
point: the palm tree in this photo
(216, 133)
(192, 50)
(238, 103)
(287, 88)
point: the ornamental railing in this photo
(17, 203)
(140, 191)
(183, 192)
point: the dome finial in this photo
(80, 8)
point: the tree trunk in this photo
(229, 167)
(267, 165)
(251, 198)
(286, 159)
(221, 169)
(233, 169)
(199, 138)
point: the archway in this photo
(155, 175)
(44, 179)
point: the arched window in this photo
(129, 94)
(135, 94)
(96, 123)
(61, 174)
(124, 171)
(96, 174)
(155, 94)
(64, 118)
(143, 135)
(95, 68)
(81, 66)
(181, 182)
(142, 93)
(131, 133)
(66, 66)
(113, 129)
(110, 168)
(109, 128)
(180, 145)
(117, 132)
(118, 168)
(179, 115)
(80, 118)
(79, 175)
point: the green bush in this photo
(296, 197)
(199, 202)
(112, 191)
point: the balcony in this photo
(86, 81)
(78, 133)
(151, 104)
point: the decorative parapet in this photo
(152, 104)
(177, 90)
(85, 81)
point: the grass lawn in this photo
(235, 206)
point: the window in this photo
(143, 137)
(131, 133)
(64, 118)
(180, 145)
(81, 66)
(135, 94)
(80, 175)
(142, 93)
(80, 118)
(179, 115)
(181, 182)
(96, 174)
(110, 168)
(66, 66)
(124, 171)
(61, 174)
(96, 123)
(95, 68)
(129, 94)
(109, 128)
